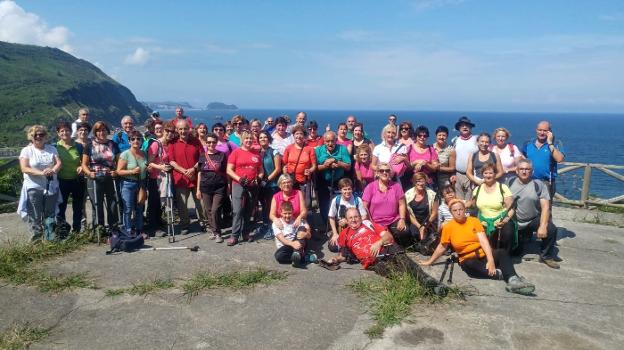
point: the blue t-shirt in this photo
(340, 153)
(543, 163)
(122, 141)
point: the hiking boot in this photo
(296, 258)
(550, 263)
(518, 285)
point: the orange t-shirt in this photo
(463, 237)
(291, 154)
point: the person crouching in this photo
(290, 240)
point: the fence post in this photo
(586, 182)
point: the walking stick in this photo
(96, 217)
(169, 208)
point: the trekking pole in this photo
(46, 237)
(96, 217)
(193, 249)
(169, 208)
(119, 204)
(498, 238)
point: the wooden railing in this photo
(586, 199)
(9, 153)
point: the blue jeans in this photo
(129, 190)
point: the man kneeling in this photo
(290, 240)
(375, 249)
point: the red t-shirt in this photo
(318, 141)
(188, 120)
(307, 158)
(186, 155)
(360, 241)
(246, 163)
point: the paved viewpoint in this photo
(580, 306)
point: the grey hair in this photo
(284, 177)
(525, 161)
(329, 132)
(126, 117)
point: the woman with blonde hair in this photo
(364, 172)
(40, 190)
(508, 153)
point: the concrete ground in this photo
(580, 306)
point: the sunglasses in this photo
(211, 142)
(237, 123)
(404, 129)
(135, 139)
(39, 134)
(422, 136)
(384, 171)
(312, 128)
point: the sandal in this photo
(330, 265)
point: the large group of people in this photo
(479, 195)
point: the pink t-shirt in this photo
(159, 154)
(429, 155)
(368, 174)
(383, 206)
(293, 199)
(345, 143)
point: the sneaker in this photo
(518, 285)
(557, 259)
(311, 258)
(296, 258)
(232, 242)
(218, 239)
(550, 263)
(499, 275)
(213, 237)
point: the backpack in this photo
(511, 147)
(500, 188)
(121, 242)
(536, 186)
(356, 202)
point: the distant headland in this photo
(220, 106)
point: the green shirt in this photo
(133, 162)
(70, 159)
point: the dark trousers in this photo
(402, 238)
(75, 188)
(212, 203)
(105, 194)
(154, 210)
(266, 195)
(325, 191)
(507, 234)
(396, 261)
(283, 254)
(475, 267)
(547, 249)
(243, 201)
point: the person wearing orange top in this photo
(466, 236)
(300, 162)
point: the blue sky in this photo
(563, 56)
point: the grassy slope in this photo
(37, 84)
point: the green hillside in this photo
(41, 85)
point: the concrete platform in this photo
(580, 306)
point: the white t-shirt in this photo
(346, 204)
(289, 232)
(280, 145)
(384, 153)
(39, 159)
(507, 160)
(464, 150)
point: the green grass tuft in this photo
(390, 299)
(18, 264)
(141, 288)
(18, 337)
(233, 280)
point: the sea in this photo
(586, 137)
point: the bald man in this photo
(544, 152)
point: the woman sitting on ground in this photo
(385, 201)
(99, 164)
(40, 190)
(466, 236)
(132, 166)
(212, 184)
(494, 201)
(338, 210)
(289, 194)
(364, 172)
(508, 153)
(480, 157)
(291, 237)
(422, 207)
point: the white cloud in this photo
(19, 26)
(614, 17)
(139, 57)
(425, 5)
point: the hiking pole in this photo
(42, 218)
(95, 205)
(193, 249)
(119, 203)
(169, 208)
